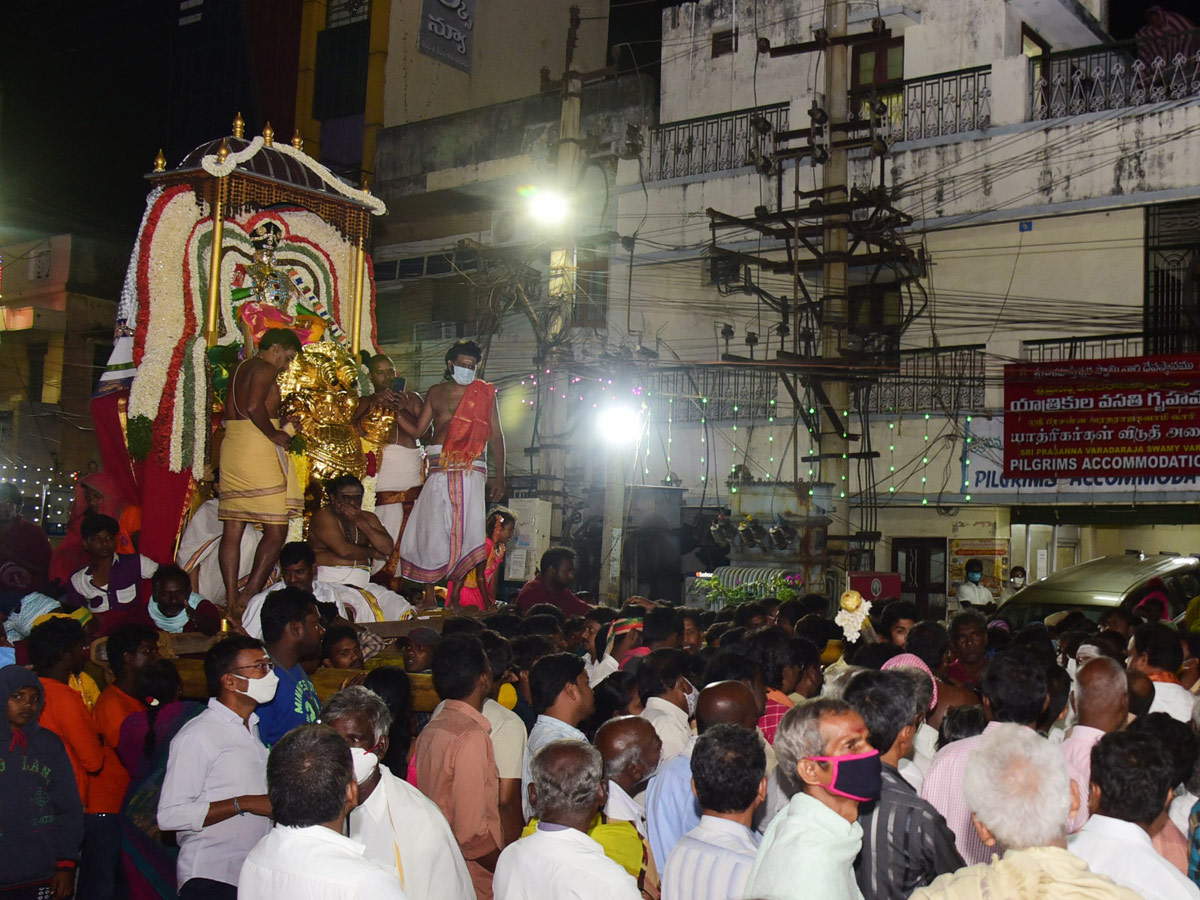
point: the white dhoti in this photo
(198, 549)
(400, 469)
(445, 536)
(387, 606)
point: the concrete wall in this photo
(513, 39)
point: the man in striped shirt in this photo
(713, 860)
(906, 843)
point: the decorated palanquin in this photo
(291, 236)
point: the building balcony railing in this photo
(946, 103)
(1115, 76)
(713, 143)
(947, 379)
(1096, 346)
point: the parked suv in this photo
(1105, 583)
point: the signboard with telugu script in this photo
(445, 31)
(1131, 417)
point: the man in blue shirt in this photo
(292, 631)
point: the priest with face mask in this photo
(402, 829)
(445, 536)
(826, 758)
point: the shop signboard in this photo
(1130, 418)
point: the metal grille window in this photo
(713, 393)
(714, 143)
(944, 378)
(1171, 317)
(1099, 346)
(346, 12)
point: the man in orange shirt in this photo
(130, 647)
(58, 649)
(456, 765)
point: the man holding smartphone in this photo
(399, 457)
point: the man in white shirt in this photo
(973, 593)
(562, 698)
(311, 784)
(630, 748)
(214, 794)
(401, 828)
(297, 567)
(669, 697)
(713, 860)
(1155, 651)
(810, 846)
(1130, 788)
(558, 859)
(508, 736)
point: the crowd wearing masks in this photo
(648, 751)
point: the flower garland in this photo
(852, 614)
(217, 169)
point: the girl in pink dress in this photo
(501, 523)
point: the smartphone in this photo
(398, 384)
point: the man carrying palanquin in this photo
(446, 537)
(258, 482)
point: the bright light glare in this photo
(619, 424)
(548, 207)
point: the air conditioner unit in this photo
(435, 332)
(510, 227)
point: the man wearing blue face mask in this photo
(445, 539)
(810, 846)
(972, 593)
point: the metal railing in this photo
(946, 103)
(711, 393)
(1115, 76)
(1095, 346)
(942, 378)
(713, 143)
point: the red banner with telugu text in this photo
(1131, 417)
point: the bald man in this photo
(672, 809)
(558, 859)
(631, 749)
(1100, 700)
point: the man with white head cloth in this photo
(1020, 795)
(401, 828)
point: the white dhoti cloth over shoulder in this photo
(445, 534)
(387, 606)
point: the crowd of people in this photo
(575, 750)
(582, 751)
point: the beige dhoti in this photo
(258, 481)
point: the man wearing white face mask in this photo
(669, 697)
(214, 795)
(401, 828)
(1016, 581)
(445, 537)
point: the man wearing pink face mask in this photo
(810, 846)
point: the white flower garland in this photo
(127, 306)
(218, 169)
